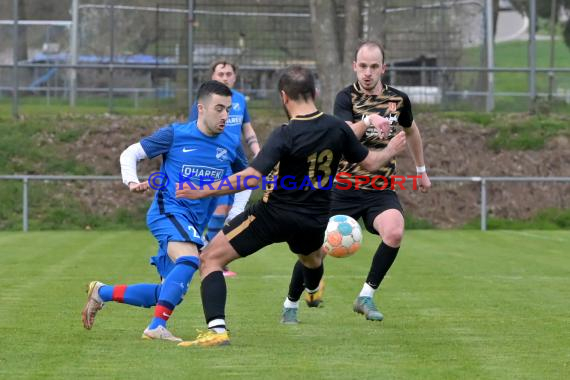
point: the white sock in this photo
(367, 291)
(290, 304)
(312, 291)
(217, 325)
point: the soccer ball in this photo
(343, 236)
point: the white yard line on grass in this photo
(536, 236)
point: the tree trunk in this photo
(323, 27)
(376, 21)
(352, 28)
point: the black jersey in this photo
(352, 104)
(303, 157)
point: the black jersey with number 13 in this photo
(304, 155)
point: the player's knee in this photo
(393, 236)
(208, 261)
(204, 260)
(312, 261)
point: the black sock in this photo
(213, 291)
(381, 263)
(296, 286)
(312, 277)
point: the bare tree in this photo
(352, 28)
(325, 44)
(376, 22)
(333, 62)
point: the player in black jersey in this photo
(303, 156)
(363, 105)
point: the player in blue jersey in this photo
(239, 126)
(197, 150)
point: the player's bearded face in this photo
(369, 67)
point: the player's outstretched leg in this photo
(174, 287)
(141, 295)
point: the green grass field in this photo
(458, 304)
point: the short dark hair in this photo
(224, 63)
(297, 82)
(213, 87)
(370, 43)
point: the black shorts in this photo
(365, 204)
(263, 224)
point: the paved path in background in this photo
(511, 26)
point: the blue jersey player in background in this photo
(196, 149)
(238, 126)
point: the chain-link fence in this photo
(135, 53)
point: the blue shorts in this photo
(171, 227)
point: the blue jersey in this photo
(189, 152)
(238, 116)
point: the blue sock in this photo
(143, 295)
(215, 224)
(174, 286)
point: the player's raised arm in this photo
(149, 147)
(128, 160)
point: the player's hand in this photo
(190, 193)
(381, 124)
(425, 183)
(139, 187)
(397, 144)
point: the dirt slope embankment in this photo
(452, 148)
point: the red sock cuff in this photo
(162, 312)
(119, 293)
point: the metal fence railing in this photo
(483, 181)
(154, 50)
